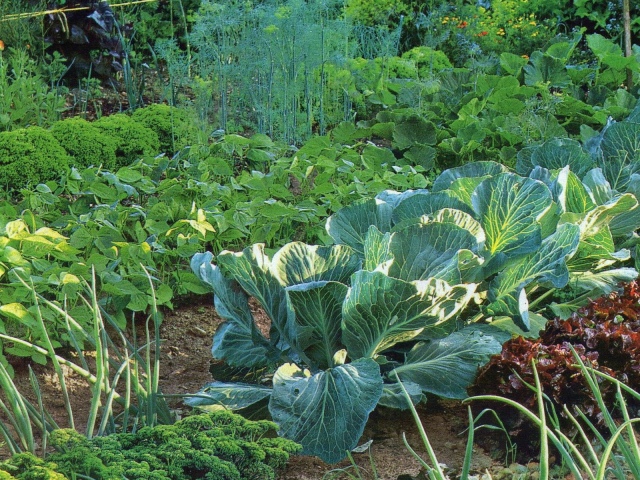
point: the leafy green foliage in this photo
(159, 212)
(30, 156)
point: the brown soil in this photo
(187, 333)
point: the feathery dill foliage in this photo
(265, 65)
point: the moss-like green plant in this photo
(214, 446)
(26, 466)
(134, 140)
(427, 60)
(85, 143)
(30, 156)
(172, 125)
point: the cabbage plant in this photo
(420, 286)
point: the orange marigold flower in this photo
(483, 33)
(1, 45)
(463, 24)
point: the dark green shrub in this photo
(85, 143)
(172, 125)
(214, 446)
(133, 139)
(30, 156)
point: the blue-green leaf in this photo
(326, 413)
(468, 170)
(509, 208)
(380, 311)
(557, 153)
(349, 226)
(231, 396)
(431, 250)
(318, 307)
(393, 397)
(547, 264)
(425, 204)
(252, 270)
(620, 153)
(446, 367)
(237, 341)
(298, 263)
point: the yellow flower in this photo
(533, 24)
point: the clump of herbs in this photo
(220, 446)
(605, 334)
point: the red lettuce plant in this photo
(606, 335)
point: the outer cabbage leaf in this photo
(598, 185)
(468, 170)
(318, 307)
(572, 195)
(231, 396)
(298, 263)
(547, 264)
(433, 250)
(237, 341)
(252, 270)
(380, 311)
(349, 226)
(602, 283)
(557, 153)
(446, 367)
(620, 153)
(425, 204)
(326, 413)
(509, 208)
(376, 247)
(393, 397)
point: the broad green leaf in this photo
(459, 218)
(414, 130)
(594, 250)
(422, 155)
(237, 341)
(557, 153)
(318, 307)
(380, 311)
(603, 214)
(505, 324)
(252, 270)
(602, 282)
(349, 226)
(433, 250)
(17, 311)
(463, 188)
(472, 169)
(327, 412)
(545, 71)
(376, 247)
(546, 264)
(231, 396)
(393, 396)
(512, 63)
(298, 263)
(602, 47)
(425, 204)
(572, 194)
(509, 208)
(446, 367)
(598, 185)
(620, 153)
